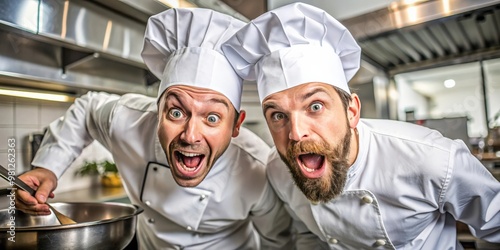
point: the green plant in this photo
(109, 167)
(96, 168)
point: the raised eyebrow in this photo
(269, 105)
(174, 95)
(213, 100)
(220, 100)
(313, 92)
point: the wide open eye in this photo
(175, 113)
(213, 118)
(277, 116)
(315, 107)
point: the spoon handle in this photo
(13, 179)
(63, 219)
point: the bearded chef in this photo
(183, 156)
(352, 183)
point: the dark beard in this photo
(332, 183)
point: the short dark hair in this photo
(236, 116)
(345, 97)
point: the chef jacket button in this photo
(189, 228)
(332, 241)
(202, 197)
(367, 199)
(380, 242)
(151, 220)
(147, 203)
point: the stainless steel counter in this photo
(95, 193)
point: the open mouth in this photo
(311, 165)
(189, 163)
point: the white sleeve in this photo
(272, 221)
(472, 195)
(88, 119)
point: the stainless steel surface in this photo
(135, 9)
(220, 6)
(61, 218)
(71, 46)
(27, 62)
(102, 226)
(86, 25)
(21, 14)
(74, 46)
(142, 9)
(427, 34)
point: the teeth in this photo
(189, 154)
(187, 168)
(309, 170)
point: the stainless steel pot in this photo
(101, 225)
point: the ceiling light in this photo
(170, 3)
(56, 97)
(177, 3)
(450, 83)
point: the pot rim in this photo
(137, 211)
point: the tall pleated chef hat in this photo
(183, 47)
(292, 45)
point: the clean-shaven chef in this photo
(352, 183)
(184, 156)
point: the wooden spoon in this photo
(63, 219)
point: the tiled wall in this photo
(19, 117)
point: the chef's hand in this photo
(44, 182)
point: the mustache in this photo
(334, 155)
(174, 145)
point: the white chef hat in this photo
(292, 45)
(182, 47)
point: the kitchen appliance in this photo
(105, 225)
(451, 127)
(34, 140)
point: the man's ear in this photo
(354, 110)
(241, 118)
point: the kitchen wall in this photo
(492, 71)
(462, 102)
(409, 99)
(366, 95)
(19, 117)
(425, 92)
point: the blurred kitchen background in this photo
(435, 63)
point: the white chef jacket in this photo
(406, 190)
(213, 215)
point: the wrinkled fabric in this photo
(407, 188)
(225, 211)
(182, 46)
(292, 45)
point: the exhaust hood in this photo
(71, 46)
(425, 34)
